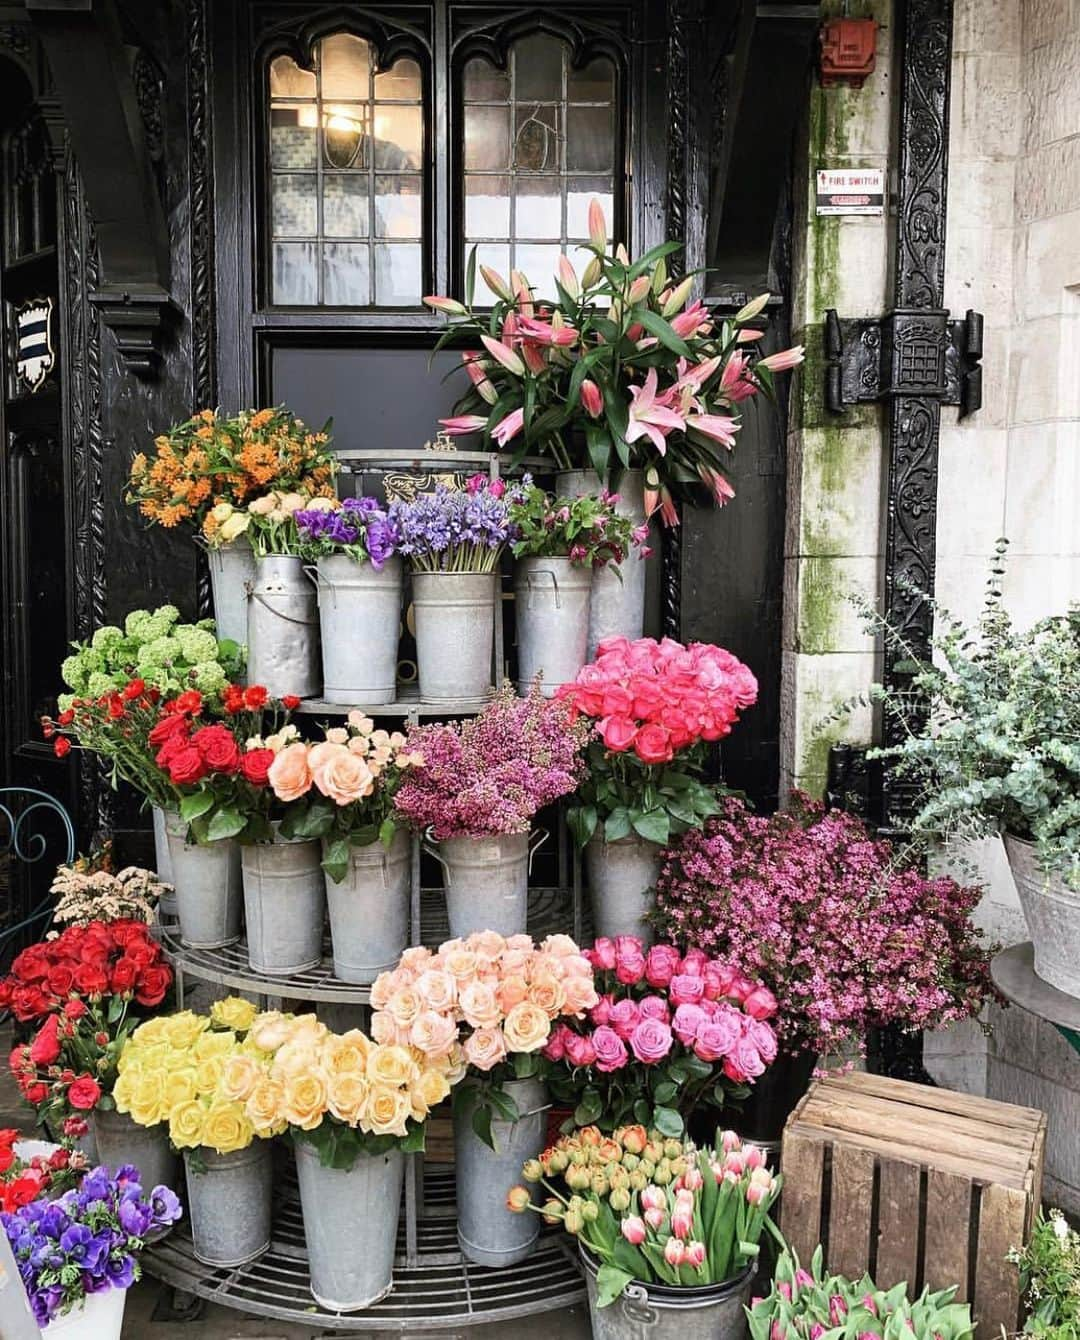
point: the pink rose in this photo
(556, 1044)
(716, 1038)
(601, 1011)
(624, 1017)
(651, 1041)
(743, 1062)
(655, 1007)
(617, 733)
(661, 964)
(763, 1038)
(579, 1050)
(686, 990)
(652, 744)
(602, 954)
(760, 1003)
(610, 1050)
(617, 702)
(629, 960)
(741, 986)
(694, 963)
(718, 979)
(688, 1019)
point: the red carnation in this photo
(61, 746)
(66, 718)
(133, 689)
(84, 1093)
(186, 765)
(189, 702)
(233, 698)
(290, 702)
(255, 766)
(255, 696)
(154, 983)
(116, 708)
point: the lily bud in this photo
(592, 399)
(450, 306)
(568, 277)
(639, 290)
(503, 354)
(659, 278)
(591, 274)
(597, 225)
(678, 298)
(497, 283)
(621, 254)
(752, 308)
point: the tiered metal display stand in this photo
(434, 1285)
(1013, 971)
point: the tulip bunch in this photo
(812, 1304)
(620, 359)
(25, 1179)
(655, 1210)
(669, 1031)
(653, 706)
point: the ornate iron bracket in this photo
(908, 351)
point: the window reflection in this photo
(346, 150)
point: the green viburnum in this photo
(993, 731)
(1050, 1277)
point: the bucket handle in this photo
(544, 572)
(535, 843)
(304, 623)
(635, 1301)
(319, 580)
(432, 850)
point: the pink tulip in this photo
(497, 283)
(817, 1331)
(695, 1254)
(648, 417)
(597, 225)
(837, 1310)
(674, 1252)
(787, 358)
(784, 1289)
(869, 1304)
(450, 306)
(653, 1198)
(633, 1230)
(592, 399)
(509, 427)
(682, 1217)
(778, 1332)
(730, 1140)
(803, 1279)
(568, 277)
(654, 1217)
(757, 1195)
(691, 1180)
(755, 1157)
(503, 354)
(464, 423)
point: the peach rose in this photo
(346, 1096)
(304, 1103)
(547, 992)
(268, 1031)
(386, 984)
(337, 735)
(239, 1075)
(516, 961)
(453, 1066)
(437, 990)
(404, 1005)
(485, 1048)
(320, 754)
(385, 1032)
(580, 995)
(560, 946)
(289, 773)
(358, 721)
(511, 991)
(391, 1065)
(459, 963)
(264, 1107)
(432, 1033)
(519, 941)
(345, 1053)
(416, 958)
(343, 778)
(429, 1090)
(478, 1005)
(387, 1110)
(526, 1027)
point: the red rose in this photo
(255, 696)
(84, 1093)
(218, 747)
(166, 728)
(123, 976)
(653, 745)
(126, 932)
(290, 702)
(67, 717)
(186, 766)
(45, 1047)
(36, 1093)
(153, 985)
(133, 689)
(7, 1157)
(28, 1002)
(91, 980)
(141, 954)
(75, 1009)
(61, 746)
(256, 764)
(60, 979)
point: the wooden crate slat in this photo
(898, 1228)
(848, 1250)
(1003, 1213)
(803, 1165)
(948, 1217)
(938, 1100)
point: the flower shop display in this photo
(560, 546)
(360, 577)
(832, 898)
(810, 1304)
(340, 791)
(33, 1169)
(653, 708)
(491, 1001)
(1050, 1278)
(617, 369)
(79, 1254)
(993, 748)
(453, 539)
(670, 1033)
(131, 894)
(482, 782)
(203, 1081)
(659, 1224)
(205, 472)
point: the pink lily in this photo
(694, 321)
(597, 225)
(546, 333)
(497, 283)
(533, 356)
(649, 417)
(522, 292)
(786, 358)
(749, 336)
(464, 423)
(502, 353)
(717, 485)
(669, 513)
(509, 427)
(591, 398)
(474, 366)
(720, 427)
(736, 383)
(450, 306)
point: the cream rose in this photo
(263, 506)
(526, 1027)
(459, 963)
(289, 773)
(268, 1031)
(265, 1106)
(415, 959)
(560, 946)
(346, 1054)
(387, 1110)
(430, 1089)
(391, 1065)
(304, 1104)
(479, 1006)
(485, 1048)
(346, 1096)
(580, 995)
(359, 722)
(436, 989)
(432, 1033)
(403, 1006)
(239, 1075)
(385, 1032)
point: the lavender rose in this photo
(651, 1041)
(610, 1049)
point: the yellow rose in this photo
(186, 1125)
(305, 1101)
(150, 1032)
(429, 1090)
(208, 1075)
(214, 1044)
(153, 1057)
(181, 1030)
(124, 1087)
(346, 1053)
(391, 1065)
(233, 1012)
(239, 1074)
(387, 1110)
(227, 1128)
(146, 1107)
(264, 1107)
(179, 1086)
(526, 1028)
(346, 1096)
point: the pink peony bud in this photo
(633, 1230)
(674, 1252)
(695, 1254)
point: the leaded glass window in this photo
(539, 144)
(346, 183)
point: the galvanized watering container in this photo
(121, 1140)
(369, 910)
(488, 1233)
(209, 900)
(552, 598)
(232, 572)
(360, 619)
(283, 628)
(487, 881)
(163, 864)
(620, 876)
(284, 904)
(617, 608)
(1052, 912)
(229, 1204)
(660, 1312)
(350, 1226)
(455, 630)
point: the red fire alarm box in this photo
(848, 51)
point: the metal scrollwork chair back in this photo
(22, 840)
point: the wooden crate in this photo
(917, 1184)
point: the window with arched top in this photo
(346, 155)
(540, 140)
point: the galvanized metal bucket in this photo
(229, 1203)
(121, 1140)
(617, 608)
(1052, 912)
(369, 910)
(283, 628)
(284, 904)
(455, 629)
(163, 863)
(232, 572)
(488, 1233)
(359, 620)
(661, 1312)
(621, 875)
(350, 1226)
(209, 900)
(487, 881)
(552, 598)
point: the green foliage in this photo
(587, 529)
(1050, 1277)
(339, 1145)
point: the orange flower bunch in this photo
(210, 460)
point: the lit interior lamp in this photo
(343, 134)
